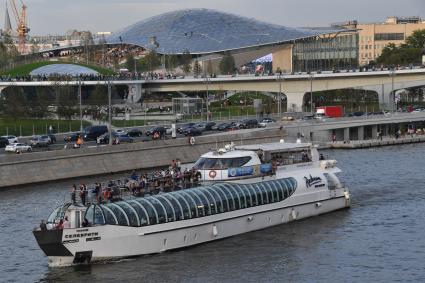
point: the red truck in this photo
(329, 111)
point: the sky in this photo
(58, 16)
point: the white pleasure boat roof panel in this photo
(276, 146)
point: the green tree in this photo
(130, 63)
(152, 60)
(210, 70)
(185, 61)
(171, 62)
(99, 96)
(417, 39)
(197, 70)
(15, 102)
(227, 64)
(66, 101)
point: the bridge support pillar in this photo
(346, 134)
(360, 133)
(295, 101)
(385, 96)
(134, 93)
(374, 131)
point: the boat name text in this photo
(311, 181)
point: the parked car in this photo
(209, 125)
(123, 138)
(11, 139)
(160, 130)
(92, 132)
(248, 124)
(52, 138)
(135, 133)
(194, 131)
(182, 127)
(263, 122)
(39, 141)
(72, 137)
(18, 147)
(3, 142)
(223, 126)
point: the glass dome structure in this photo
(63, 69)
(191, 203)
(203, 31)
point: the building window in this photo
(389, 36)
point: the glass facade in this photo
(203, 31)
(320, 53)
(190, 203)
(187, 106)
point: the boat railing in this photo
(135, 186)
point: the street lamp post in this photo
(394, 105)
(80, 102)
(110, 110)
(279, 104)
(311, 93)
(207, 99)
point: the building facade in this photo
(375, 36)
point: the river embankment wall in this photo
(24, 169)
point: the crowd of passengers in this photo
(138, 185)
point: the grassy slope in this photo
(39, 126)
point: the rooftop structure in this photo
(202, 31)
(63, 69)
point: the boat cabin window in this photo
(221, 163)
(57, 214)
(295, 157)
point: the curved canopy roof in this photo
(190, 203)
(203, 31)
(63, 69)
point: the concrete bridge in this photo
(296, 88)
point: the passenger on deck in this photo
(73, 193)
(59, 226)
(321, 157)
(66, 223)
(43, 226)
(86, 223)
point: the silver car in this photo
(18, 147)
(40, 141)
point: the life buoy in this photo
(212, 174)
(192, 140)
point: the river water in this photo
(380, 239)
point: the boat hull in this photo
(110, 242)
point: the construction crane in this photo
(21, 22)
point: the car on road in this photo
(266, 120)
(52, 138)
(160, 130)
(39, 141)
(92, 132)
(123, 138)
(3, 142)
(194, 131)
(248, 124)
(208, 126)
(181, 128)
(18, 147)
(116, 138)
(135, 133)
(72, 137)
(224, 127)
(11, 139)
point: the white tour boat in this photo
(243, 189)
